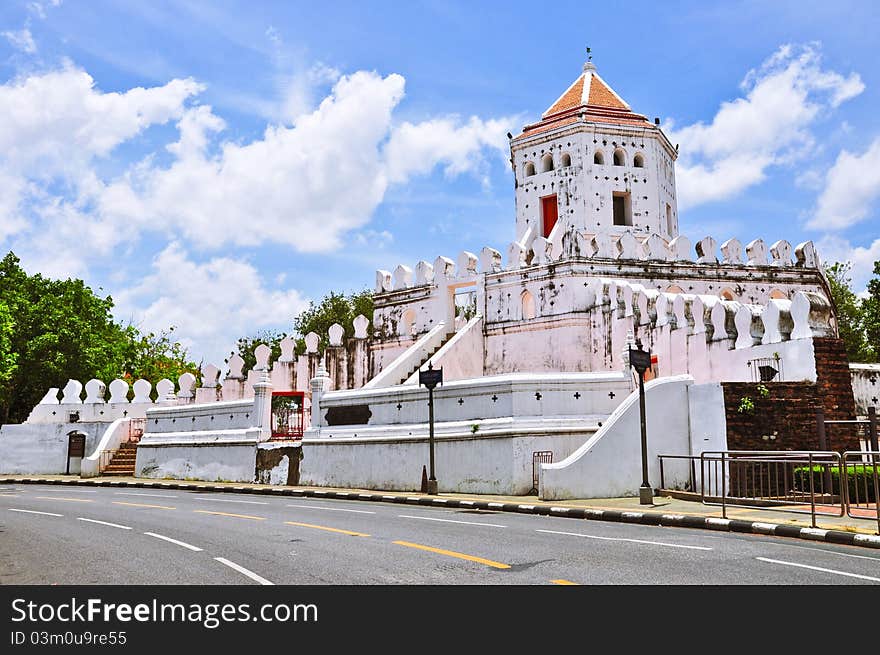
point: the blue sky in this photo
(215, 165)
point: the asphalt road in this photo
(65, 535)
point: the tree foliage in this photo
(333, 308)
(246, 346)
(55, 330)
(317, 318)
(858, 319)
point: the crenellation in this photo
(444, 269)
(402, 277)
(756, 253)
(95, 390)
(72, 392)
(424, 273)
(680, 248)
(731, 252)
(383, 281)
(656, 248)
(466, 264)
(781, 253)
(490, 260)
(806, 255)
(705, 250)
(541, 249)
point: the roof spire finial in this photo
(589, 65)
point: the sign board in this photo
(640, 360)
(77, 445)
(431, 378)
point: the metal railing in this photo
(861, 484)
(772, 479)
(539, 457)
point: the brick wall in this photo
(789, 411)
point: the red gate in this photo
(288, 409)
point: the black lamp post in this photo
(431, 378)
(641, 361)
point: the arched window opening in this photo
(528, 305)
(638, 161)
(619, 157)
(547, 163)
(776, 294)
(674, 288)
(529, 169)
(565, 161)
(599, 158)
(408, 323)
(727, 294)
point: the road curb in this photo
(616, 516)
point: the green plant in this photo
(474, 428)
(763, 391)
(859, 478)
(746, 405)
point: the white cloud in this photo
(418, 148)
(305, 184)
(769, 126)
(210, 304)
(833, 248)
(21, 40)
(852, 186)
(38, 8)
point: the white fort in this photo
(532, 342)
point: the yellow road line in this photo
(73, 500)
(452, 553)
(238, 516)
(564, 582)
(324, 527)
(119, 502)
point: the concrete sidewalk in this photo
(666, 510)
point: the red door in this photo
(550, 213)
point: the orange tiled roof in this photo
(589, 98)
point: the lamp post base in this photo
(432, 487)
(646, 496)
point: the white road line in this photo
(253, 576)
(428, 518)
(634, 541)
(173, 541)
(333, 509)
(136, 493)
(818, 568)
(825, 550)
(112, 525)
(228, 500)
(30, 511)
(66, 491)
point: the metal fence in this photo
(810, 482)
(539, 457)
(862, 485)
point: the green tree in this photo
(849, 312)
(871, 316)
(333, 308)
(246, 346)
(8, 358)
(155, 356)
(55, 330)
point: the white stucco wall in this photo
(226, 461)
(866, 386)
(514, 394)
(609, 464)
(42, 448)
(496, 459)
